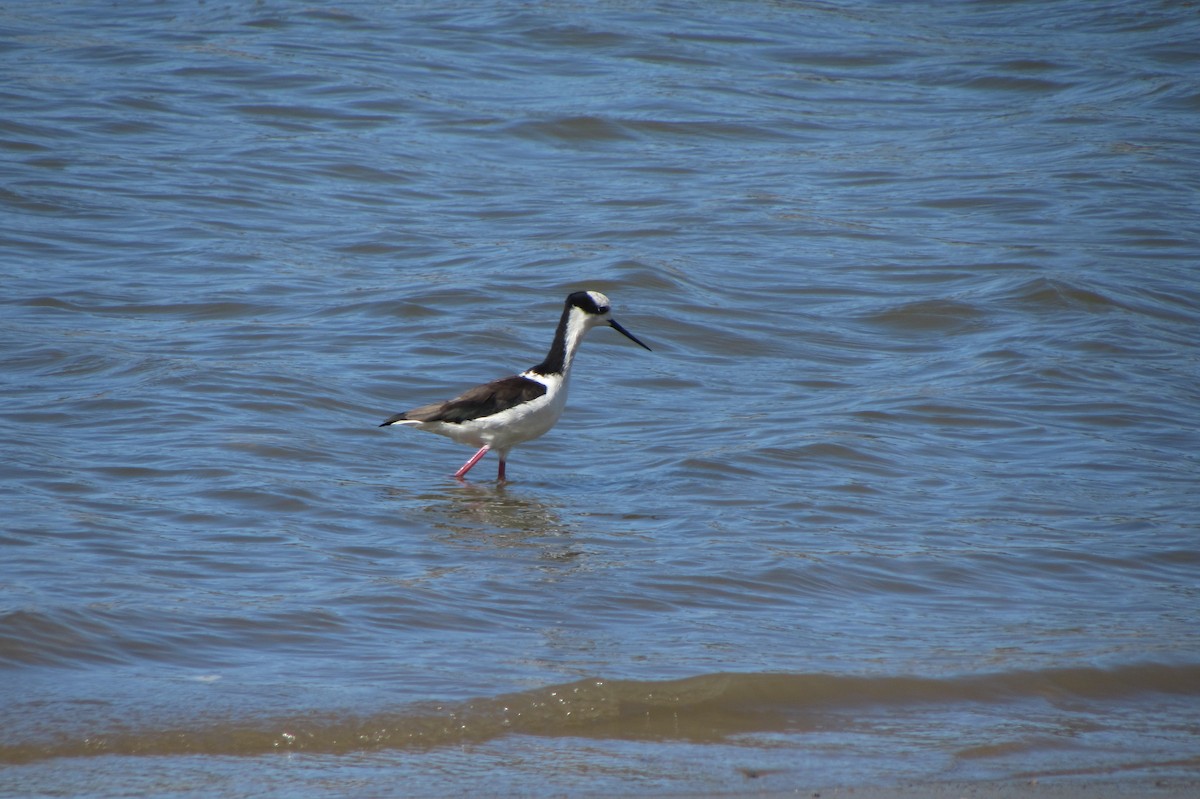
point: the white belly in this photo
(505, 430)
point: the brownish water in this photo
(906, 491)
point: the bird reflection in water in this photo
(490, 516)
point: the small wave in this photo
(573, 129)
(709, 707)
(1058, 295)
(929, 316)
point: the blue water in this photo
(906, 490)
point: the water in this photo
(906, 492)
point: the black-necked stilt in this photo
(512, 410)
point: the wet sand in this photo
(1152, 788)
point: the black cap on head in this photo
(592, 302)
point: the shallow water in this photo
(905, 491)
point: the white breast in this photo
(504, 430)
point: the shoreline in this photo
(1054, 788)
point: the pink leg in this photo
(500, 474)
(466, 467)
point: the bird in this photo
(497, 416)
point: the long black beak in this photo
(613, 323)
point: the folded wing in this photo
(475, 403)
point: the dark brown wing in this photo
(475, 403)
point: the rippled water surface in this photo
(907, 489)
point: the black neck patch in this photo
(556, 359)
